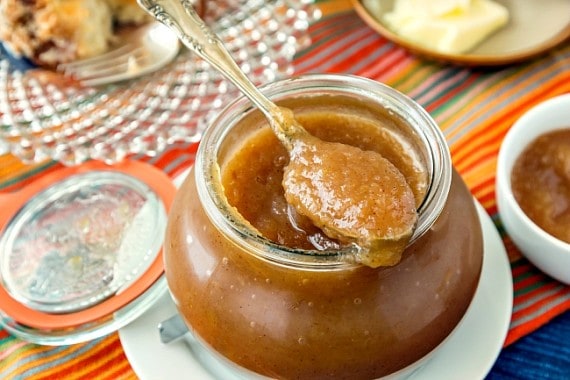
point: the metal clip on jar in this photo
(291, 313)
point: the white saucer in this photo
(469, 352)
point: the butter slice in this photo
(446, 26)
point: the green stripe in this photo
(523, 291)
(454, 99)
(400, 84)
(519, 263)
(27, 174)
(530, 288)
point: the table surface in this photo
(474, 107)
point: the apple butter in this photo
(269, 292)
(386, 203)
(541, 182)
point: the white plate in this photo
(470, 351)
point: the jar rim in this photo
(225, 217)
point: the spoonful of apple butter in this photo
(354, 196)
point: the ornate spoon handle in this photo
(180, 16)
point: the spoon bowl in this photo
(355, 196)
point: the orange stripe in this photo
(487, 200)
(412, 68)
(72, 366)
(539, 304)
(534, 277)
(110, 365)
(483, 197)
(44, 361)
(488, 205)
(497, 127)
(27, 354)
(538, 279)
(481, 153)
(512, 250)
(477, 99)
(391, 63)
(100, 361)
(484, 167)
(522, 269)
(517, 108)
(14, 170)
(349, 21)
(484, 186)
(171, 155)
(417, 76)
(322, 31)
(493, 130)
(327, 52)
(347, 63)
(334, 6)
(120, 369)
(448, 95)
(526, 328)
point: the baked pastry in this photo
(50, 32)
(127, 12)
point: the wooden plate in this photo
(534, 27)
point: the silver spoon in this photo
(180, 16)
(172, 328)
(348, 205)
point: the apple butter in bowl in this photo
(533, 186)
(277, 297)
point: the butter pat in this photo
(446, 26)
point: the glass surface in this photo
(45, 115)
(92, 330)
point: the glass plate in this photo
(44, 115)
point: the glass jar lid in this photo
(81, 241)
(80, 244)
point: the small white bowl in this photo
(546, 252)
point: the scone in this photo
(50, 32)
(128, 12)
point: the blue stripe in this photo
(45, 363)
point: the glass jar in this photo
(292, 313)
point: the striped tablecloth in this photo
(474, 107)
